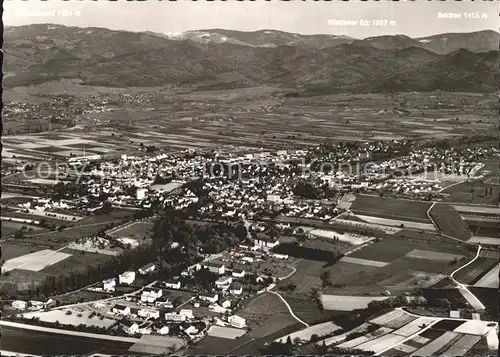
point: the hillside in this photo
(218, 59)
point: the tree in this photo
(326, 278)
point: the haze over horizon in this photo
(408, 18)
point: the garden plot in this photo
(381, 344)
(396, 222)
(152, 344)
(354, 239)
(460, 347)
(490, 279)
(430, 255)
(226, 332)
(385, 318)
(372, 263)
(405, 348)
(346, 302)
(368, 337)
(35, 261)
(306, 334)
(74, 316)
(434, 346)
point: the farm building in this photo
(148, 268)
(163, 331)
(237, 321)
(121, 309)
(236, 289)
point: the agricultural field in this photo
(226, 332)
(137, 230)
(398, 333)
(490, 279)
(473, 192)
(476, 271)
(36, 261)
(347, 303)
(265, 314)
(391, 209)
(449, 221)
(305, 334)
(72, 316)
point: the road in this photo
(289, 308)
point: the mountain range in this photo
(225, 59)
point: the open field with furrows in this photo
(390, 208)
(250, 118)
(449, 222)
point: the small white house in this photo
(237, 321)
(109, 285)
(149, 314)
(173, 316)
(121, 310)
(224, 282)
(216, 268)
(132, 329)
(217, 308)
(186, 312)
(19, 305)
(209, 298)
(238, 273)
(127, 277)
(173, 285)
(191, 330)
(236, 290)
(226, 304)
(164, 330)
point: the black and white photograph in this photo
(255, 178)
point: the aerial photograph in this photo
(250, 178)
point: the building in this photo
(164, 302)
(217, 308)
(150, 296)
(187, 313)
(109, 285)
(191, 330)
(140, 193)
(146, 269)
(131, 328)
(173, 285)
(37, 305)
(163, 331)
(216, 268)
(19, 305)
(265, 242)
(127, 243)
(236, 290)
(172, 316)
(127, 278)
(273, 198)
(226, 304)
(237, 321)
(149, 313)
(238, 273)
(224, 282)
(209, 298)
(121, 310)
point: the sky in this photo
(414, 19)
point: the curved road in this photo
(289, 309)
